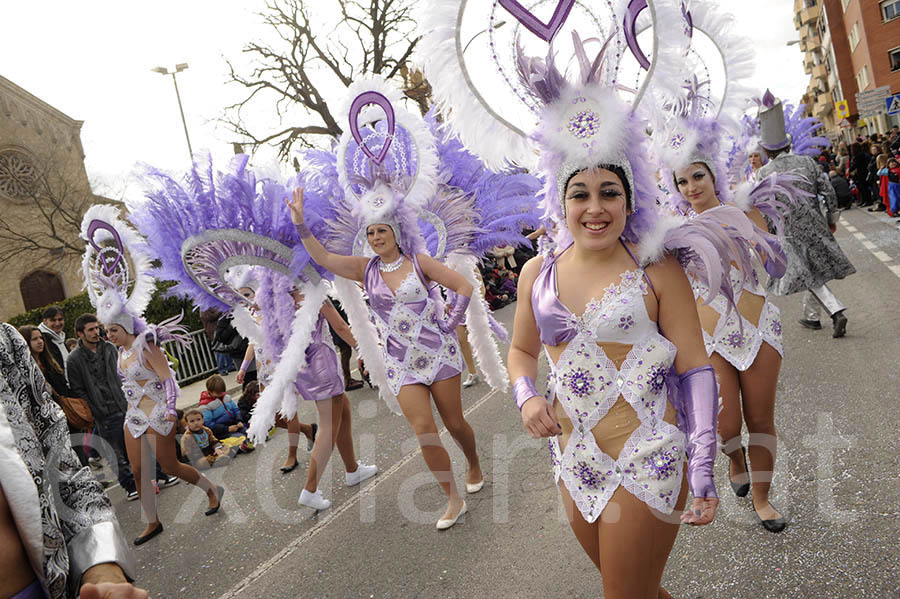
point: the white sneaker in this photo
(471, 379)
(445, 523)
(363, 471)
(313, 500)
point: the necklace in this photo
(391, 266)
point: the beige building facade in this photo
(44, 190)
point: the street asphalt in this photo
(837, 479)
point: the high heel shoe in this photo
(774, 525)
(445, 523)
(741, 490)
(144, 538)
(220, 492)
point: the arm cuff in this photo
(101, 543)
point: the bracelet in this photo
(245, 365)
(523, 390)
(303, 231)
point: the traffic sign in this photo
(842, 109)
(872, 102)
(893, 104)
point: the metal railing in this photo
(196, 361)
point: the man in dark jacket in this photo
(94, 377)
(841, 189)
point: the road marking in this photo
(273, 561)
(859, 236)
(895, 268)
(849, 228)
(869, 245)
(882, 256)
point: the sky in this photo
(93, 60)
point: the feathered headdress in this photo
(386, 166)
(697, 124)
(117, 267)
(584, 119)
(215, 233)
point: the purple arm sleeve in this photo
(700, 405)
(457, 314)
(303, 231)
(171, 395)
(245, 365)
(523, 390)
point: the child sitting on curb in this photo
(200, 445)
(219, 411)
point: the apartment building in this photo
(850, 46)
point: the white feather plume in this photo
(351, 298)
(478, 326)
(247, 326)
(279, 396)
(652, 246)
(476, 123)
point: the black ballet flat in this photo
(774, 525)
(811, 324)
(220, 492)
(286, 469)
(741, 490)
(143, 539)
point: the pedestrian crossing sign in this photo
(893, 104)
(842, 109)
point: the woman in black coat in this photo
(859, 171)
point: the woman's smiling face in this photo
(596, 208)
(697, 185)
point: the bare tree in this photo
(45, 200)
(372, 37)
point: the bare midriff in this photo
(749, 306)
(614, 429)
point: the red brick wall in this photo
(881, 37)
(841, 45)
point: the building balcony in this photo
(809, 15)
(811, 43)
(820, 72)
(822, 107)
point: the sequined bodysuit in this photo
(761, 321)
(145, 394)
(414, 348)
(609, 385)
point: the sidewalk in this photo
(190, 394)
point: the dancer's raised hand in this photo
(295, 203)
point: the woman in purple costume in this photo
(420, 349)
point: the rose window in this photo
(17, 174)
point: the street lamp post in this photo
(178, 68)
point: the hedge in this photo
(159, 309)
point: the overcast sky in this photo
(92, 61)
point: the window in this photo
(17, 175)
(41, 288)
(862, 78)
(890, 9)
(854, 36)
(894, 56)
